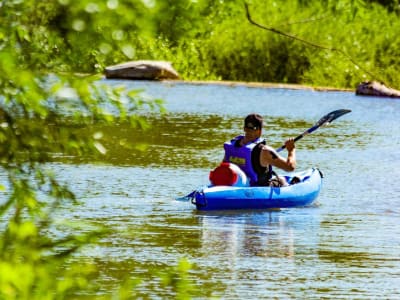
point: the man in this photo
(254, 157)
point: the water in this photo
(346, 245)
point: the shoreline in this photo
(259, 85)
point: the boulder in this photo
(374, 88)
(142, 69)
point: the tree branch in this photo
(291, 36)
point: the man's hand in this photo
(289, 144)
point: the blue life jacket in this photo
(241, 156)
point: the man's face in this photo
(252, 132)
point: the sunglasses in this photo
(252, 127)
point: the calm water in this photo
(346, 245)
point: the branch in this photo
(274, 30)
(310, 20)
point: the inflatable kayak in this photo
(239, 195)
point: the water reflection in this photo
(235, 235)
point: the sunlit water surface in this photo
(346, 245)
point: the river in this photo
(345, 245)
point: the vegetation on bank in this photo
(44, 101)
(234, 49)
(208, 40)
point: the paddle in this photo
(325, 120)
(188, 197)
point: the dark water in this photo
(347, 245)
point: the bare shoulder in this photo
(267, 148)
(267, 152)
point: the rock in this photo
(374, 88)
(142, 69)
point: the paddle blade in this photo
(189, 196)
(183, 199)
(331, 116)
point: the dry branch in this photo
(291, 36)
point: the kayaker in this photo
(255, 158)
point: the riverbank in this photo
(260, 85)
(163, 70)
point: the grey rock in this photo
(142, 69)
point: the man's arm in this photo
(268, 156)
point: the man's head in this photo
(253, 121)
(252, 126)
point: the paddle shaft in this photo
(299, 137)
(333, 115)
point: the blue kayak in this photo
(224, 197)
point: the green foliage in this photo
(367, 38)
(178, 281)
(208, 40)
(43, 105)
(214, 40)
(33, 260)
(240, 51)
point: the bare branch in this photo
(309, 20)
(291, 36)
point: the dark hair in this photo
(253, 121)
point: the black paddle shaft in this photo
(325, 120)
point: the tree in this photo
(43, 104)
